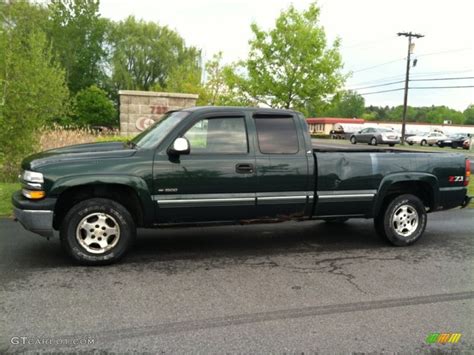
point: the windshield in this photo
(153, 135)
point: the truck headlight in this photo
(32, 176)
(32, 182)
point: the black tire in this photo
(385, 225)
(336, 220)
(423, 142)
(353, 140)
(454, 146)
(373, 141)
(410, 143)
(114, 215)
(391, 145)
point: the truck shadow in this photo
(253, 240)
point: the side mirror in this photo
(179, 146)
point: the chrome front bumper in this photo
(36, 221)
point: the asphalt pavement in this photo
(273, 288)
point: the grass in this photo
(6, 191)
(470, 192)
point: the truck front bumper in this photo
(39, 222)
(35, 216)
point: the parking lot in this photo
(292, 287)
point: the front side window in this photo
(225, 135)
(277, 135)
(155, 134)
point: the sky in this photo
(367, 29)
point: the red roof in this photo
(333, 120)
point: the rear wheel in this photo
(391, 145)
(423, 142)
(454, 145)
(353, 140)
(97, 231)
(403, 221)
(373, 141)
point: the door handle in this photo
(244, 168)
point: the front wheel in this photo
(423, 142)
(391, 145)
(403, 221)
(353, 140)
(373, 141)
(97, 231)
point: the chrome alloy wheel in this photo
(405, 220)
(98, 232)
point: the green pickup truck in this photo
(227, 164)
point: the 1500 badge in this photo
(169, 189)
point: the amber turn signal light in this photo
(33, 194)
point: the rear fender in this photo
(389, 180)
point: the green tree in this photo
(93, 108)
(145, 55)
(438, 114)
(346, 104)
(291, 65)
(469, 115)
(220, 87)
(34, 90)
(77, 35)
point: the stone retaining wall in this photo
(140, 109)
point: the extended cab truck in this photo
(221, 164)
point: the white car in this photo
(430, 138)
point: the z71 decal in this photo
(453, 179)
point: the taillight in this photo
(467, 176)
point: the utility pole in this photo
(407, 78)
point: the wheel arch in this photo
(130, 191)
(424, 186)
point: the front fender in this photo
(391, 179)
(136, 183)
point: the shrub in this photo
(94, 108)
(59, 136)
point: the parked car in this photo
(376, 135)
(453, 141)
(216, 165)
(427, 138)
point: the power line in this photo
(401, 81)
(445, 52)
(420, 55)
(376, 66)
(379, 92)
(443, 87)
(419, 88)
(435, 79)
(422, 74)
(378, 85)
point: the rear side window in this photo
(277, 135)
